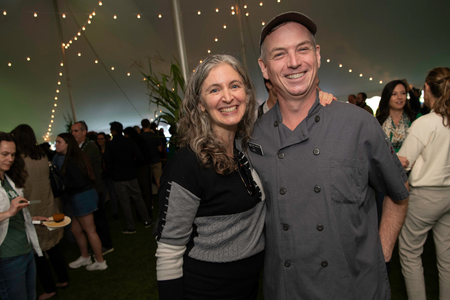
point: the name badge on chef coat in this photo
(255, 148)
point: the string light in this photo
(64, 16)
(57, 91)
(278, 1)
(28, 59)
(112, 68)
(90, 16)
(246, 14)
(340, 65)
(216, 40)
(209, 51)
(199, 12)
(89, 22)
(56, 98)
(370, 78)
(381, 81)
(96, 61)
(79, 33)
(328, 60)
(144, 79)
(59, 82)
(35, 15)
(361, 75)
(79, 54)
(217, 10)
(224, 26)
(70, 42)
(350, 70)
(4, 13)
(160, 16)
(138, 16)
(93, 13)
(100, 3)
(84, 28)
(128, 74)
(9, 64)
(75, 38)
(263, 23)
(232, 8)
(60, 74)
(245, 6)
(115, 17)
(233, 12)
(260, 4)
(201, 61)
(56, 105)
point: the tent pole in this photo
(239, 15)
(66, 67)
(180, 37)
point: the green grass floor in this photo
(131, 268)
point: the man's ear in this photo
(263, 67)
(318, 57)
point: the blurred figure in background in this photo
(106, 176)
(426, 152)
(361, 102)
(37, 187)
(81, 193)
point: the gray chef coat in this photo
(322, 239)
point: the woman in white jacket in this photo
(17, 233)
(426, 152)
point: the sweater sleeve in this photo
(413, 145)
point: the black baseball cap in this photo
(289, 16)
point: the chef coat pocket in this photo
(346, 177)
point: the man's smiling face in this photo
(291, 61)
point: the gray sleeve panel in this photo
(230, 237)
(180, 212)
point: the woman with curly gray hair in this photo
(211, 218)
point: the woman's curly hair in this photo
(17, 172)
(195, 126)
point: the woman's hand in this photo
(16, 205)
(326, 98)
(404, 161)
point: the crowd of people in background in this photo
(290, 185)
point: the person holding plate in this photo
(17, 234)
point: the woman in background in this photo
(17, 233)
(394, 113)
(37, 187)
(83, 197)
(426, 152)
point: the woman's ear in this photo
(202, 108)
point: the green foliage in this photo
(165, 90)
(69, 122)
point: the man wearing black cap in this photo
(322, 239)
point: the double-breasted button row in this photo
(275, 124)
(316, 151)
(287, 263)
(282, 191)
(280, 155)
(317, 118)
(319, 227)
(285, 227)
(317, 189)
(324, 263)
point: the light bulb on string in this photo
(381, 81)
(278, 1)
(245, 6)
(199, 13)
(209, 51)
(263, 23)
(28, 59)
(75, 38)
(370, 78)
(70, 42)
(260, 4)
(35, 15)
(138, 16)
(53, 116)
(53, 111)
(115, 17)
(233, 12)
(246, 14)
(217, 10)
(328, 60)
(350, 71)
(84, 28)
(60, 74)
(340, 65)
(224, 26)
(100, 3)
(56, 98)
(96, 61)
(216, 40)
(4, 13)
(201, 61)
(79, 33)
(90, 16)
(52, 120)
(9, 64)
(112, 68)
(64, 16)
(89, 21)
(61, 64)
(55, 105)
(57, 91)
(128, 74)
(59, 82)
(232, 8)
(79, 54)
(93, 13)
(361, 75)
(160, 16)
